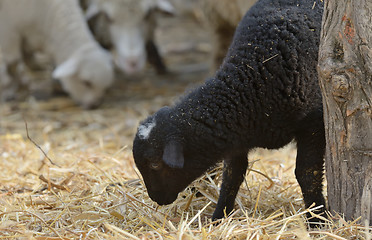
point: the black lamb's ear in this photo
(173, 154)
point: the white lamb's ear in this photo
(173, 155)
(165, 6)
(65, 69)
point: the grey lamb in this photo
(265, 94)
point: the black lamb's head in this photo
(160, 153)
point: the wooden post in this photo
(345, 76)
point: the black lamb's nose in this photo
(163, 198)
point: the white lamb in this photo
(129, 26)
(58, 28)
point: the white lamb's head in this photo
(131, 24)
(86, 76)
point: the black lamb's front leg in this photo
(233, 175)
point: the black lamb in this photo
(265, 94)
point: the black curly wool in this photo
(267, 82)
(265, 94)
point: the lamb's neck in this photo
(65, 30)
(210, 114)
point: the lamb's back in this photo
(274, 55)
(268, 81)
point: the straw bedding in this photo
(69, 174)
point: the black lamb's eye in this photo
(155, 165)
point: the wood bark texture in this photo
(345, 76)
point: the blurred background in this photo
(59, 159)
(184, 44)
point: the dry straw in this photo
(89, 187)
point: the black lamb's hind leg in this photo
(310, 161)
(233, 175)
(154, 57)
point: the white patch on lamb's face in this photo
(144, 130)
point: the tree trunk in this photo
(345, 76)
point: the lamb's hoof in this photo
(219, 214)
(314, 221)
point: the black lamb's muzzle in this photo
(163, 198)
